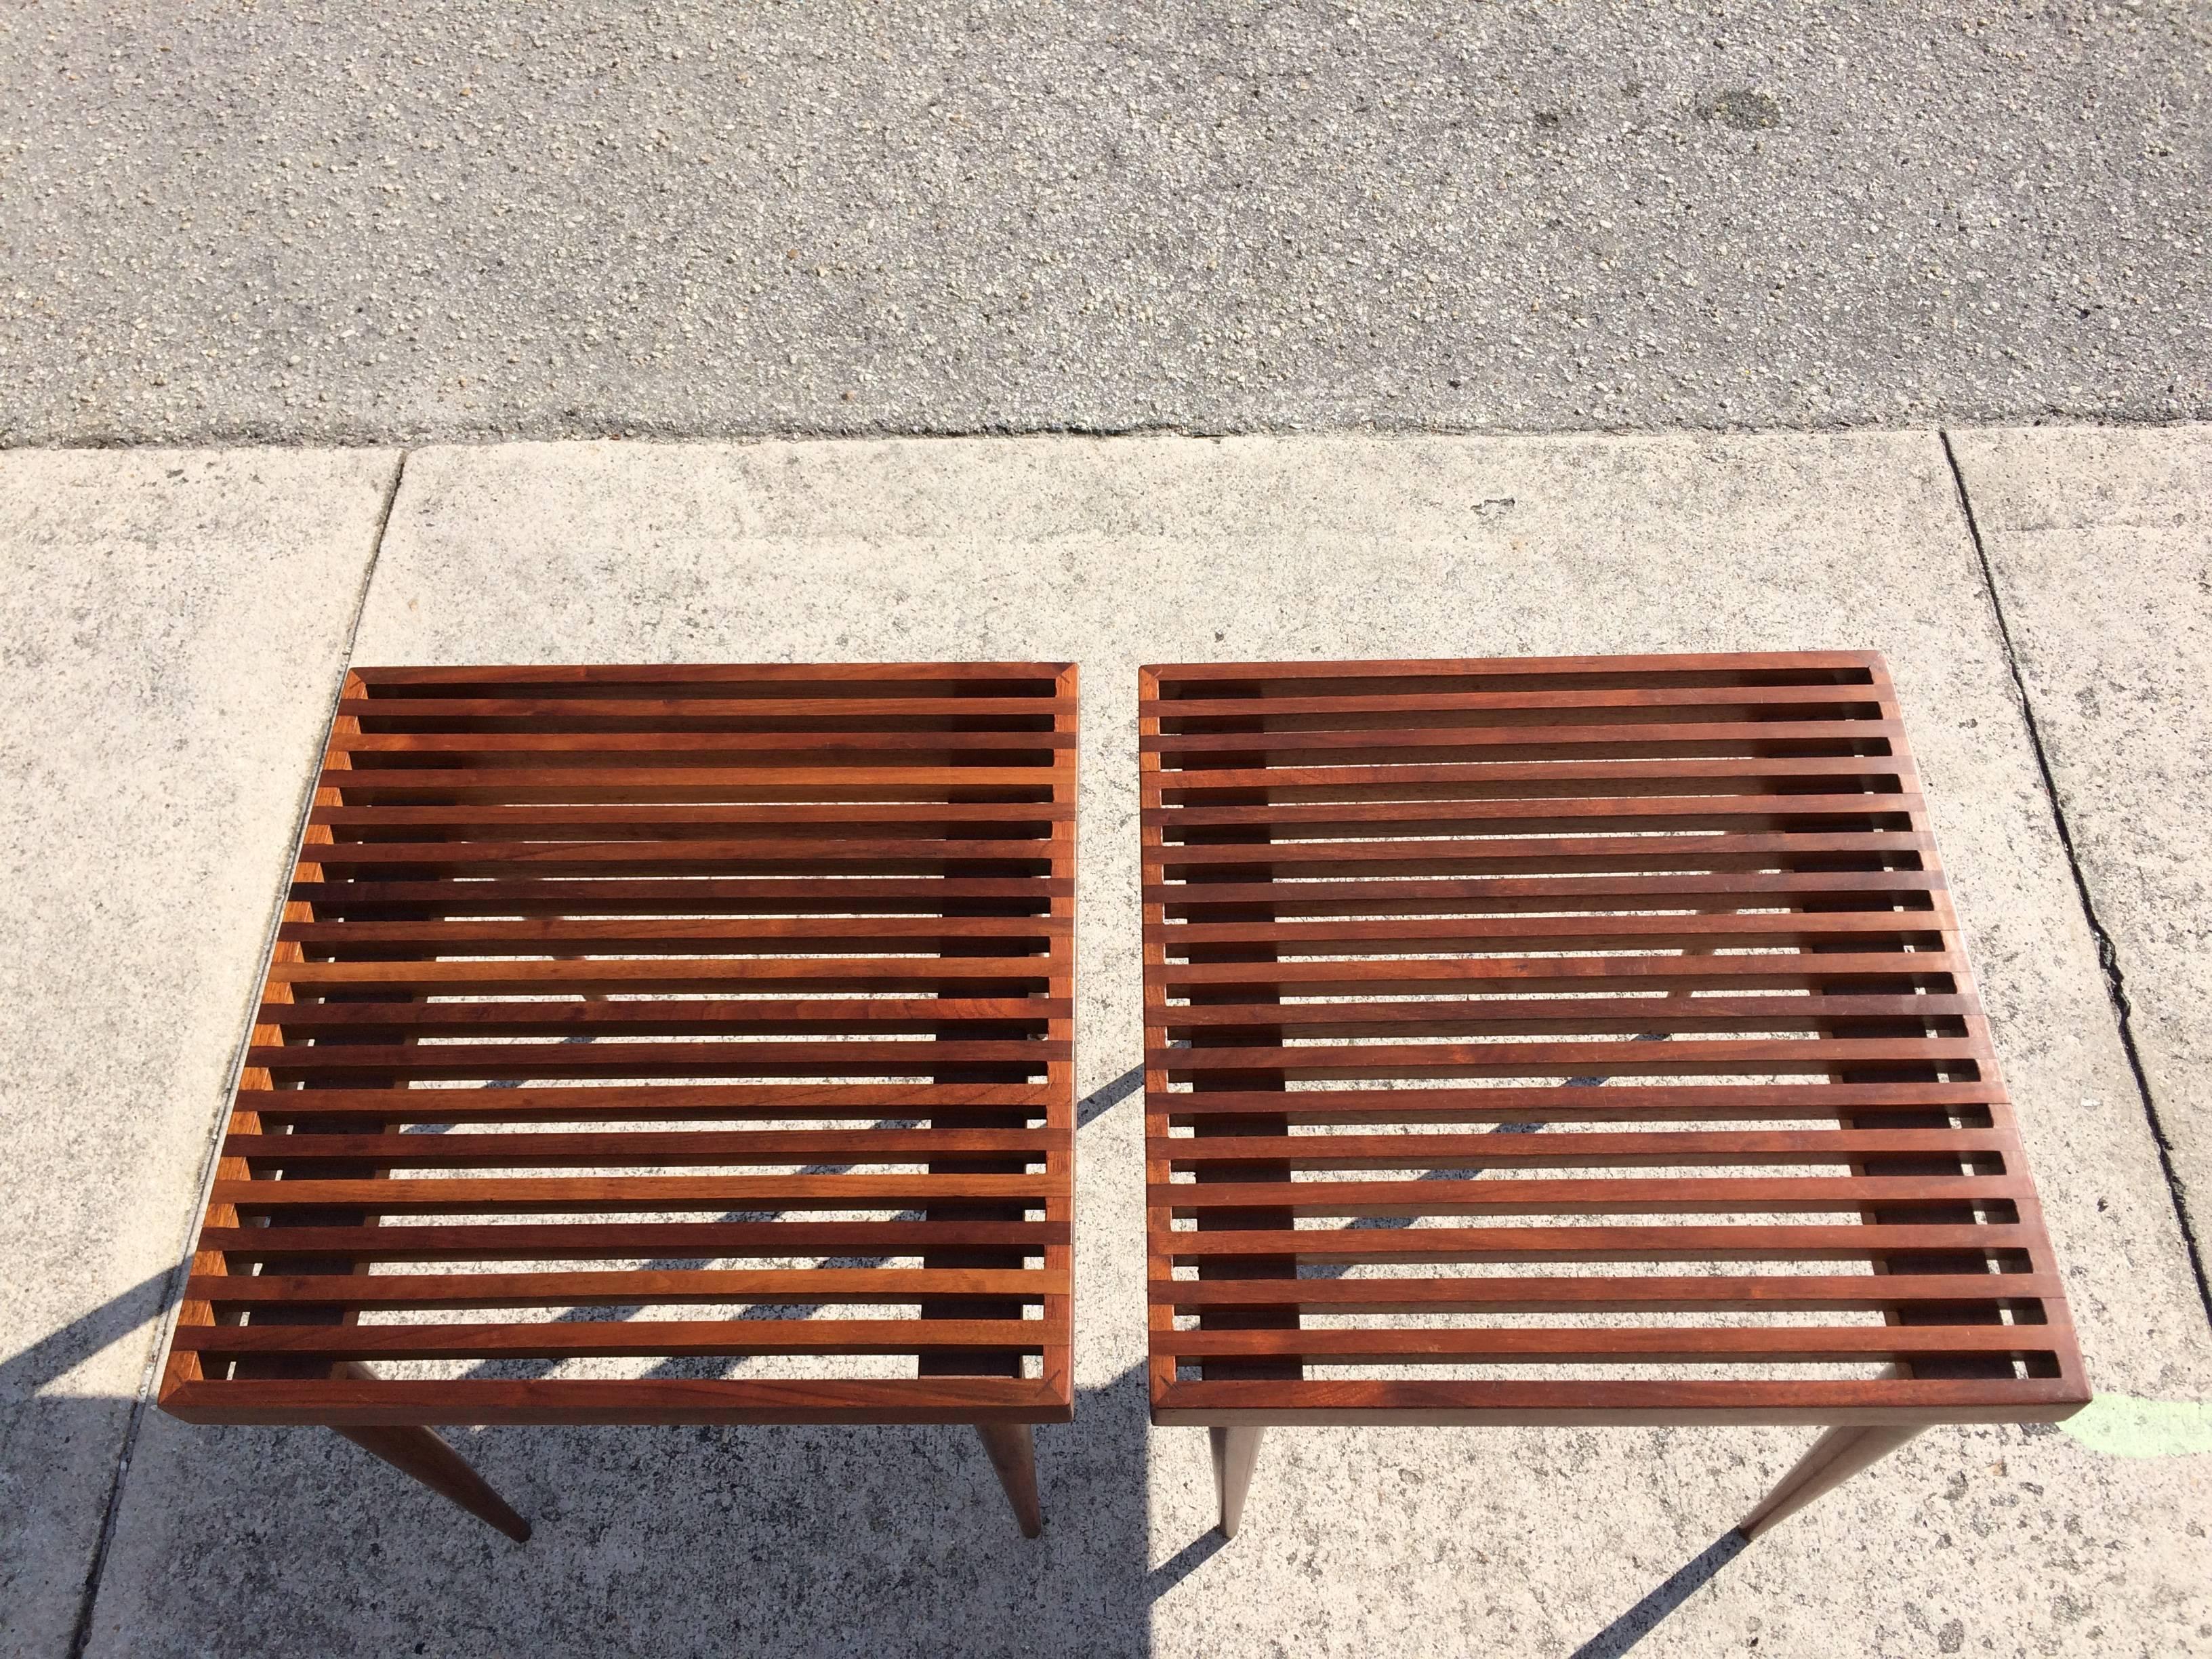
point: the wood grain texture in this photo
(1578, 1040)
(631, 1028)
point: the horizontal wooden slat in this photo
(613, 1194)
(684, 935)
(1640, 1147)
(642, 1400)
(1673, 1195)
(1676, 1242)
(642, 1148)
(837, 820)
(593, 782)
(1683, 1402)
(535, 976)
(1611, 1345)
(1181, 825)
(1657, 1102)
(620, 1338)
(690, 1059)
(839, 858)
(547, 709)
(1700, 1056)
(1720, 890)
(403, 683)
(1652, 1293)
(1777, 969)
(1527, 1015)
(971, 899)
(854, 1017)
(1586, 932)
(1470, 707)
(1207, 679)
(638, 1287)
(652, 1103)
(619, 1240)
(1418, 742)
(1526, 779)
(1534, 855)
(820, 748)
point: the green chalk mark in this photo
(2121, 1425)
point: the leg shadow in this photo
(1183, 1563)
(1640, 1621)
(1103, 1100)
(887, 1540)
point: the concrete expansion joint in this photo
(2108, 956)
(368, 571)
(88, 1597)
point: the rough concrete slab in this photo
(1374, 1542)
(450, 218)
(172, 631)
(2101, 546)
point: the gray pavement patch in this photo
(456, 220)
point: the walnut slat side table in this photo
(710, 995)
(1402, 918)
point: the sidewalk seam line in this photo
(2108, 956)
(88, 1597)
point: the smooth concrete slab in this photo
(1117, 553)
(172, 626)
(2101, 546)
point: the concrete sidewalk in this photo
(175, 628)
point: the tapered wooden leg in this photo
(1836, 1455)
(1235, 1452)
(1012, 1447)
(422, 1453)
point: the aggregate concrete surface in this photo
(449, 220)
(1996, 1540)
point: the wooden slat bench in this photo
(1571, 1041)
(734, 1000)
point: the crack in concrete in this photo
(88, 1597)
(2108, 956)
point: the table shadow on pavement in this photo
(61, 1459)
(798, 1539)
(762, 1540)
(1640, 1621)
(686, 1540)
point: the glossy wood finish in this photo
(658, 1045)
(1570, 1041)
(1012, 1447)
(423, 1454)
